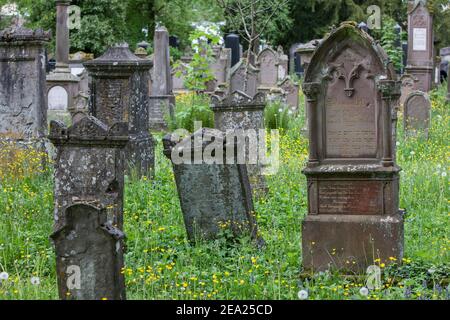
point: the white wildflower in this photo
(303, 294)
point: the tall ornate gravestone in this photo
(88, 198)
(23, 109)
(119, 93)
(162, 100)
(244, 78)
(215, 194)
(62, 85)
(353, 181)
(417, 114)
(241, 113)
(420, 44)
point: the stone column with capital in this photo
(62, 85)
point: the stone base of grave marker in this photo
(161, 110)
(424, 76)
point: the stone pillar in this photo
(119, 93)
(352, 178)
(243, 114)
(88, 198)
(420, 44)
(23, 110)
(62, 85)
(162, 100)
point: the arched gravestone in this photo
(353, 181)
(58, 99)
(268, 65)
(417, 113)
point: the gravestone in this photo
(420, 48)
(119, 93)
(267, 63)
(232, 43)
(23, 109)
(90, 248)
(220, 68)
(237, 112)
(162, 100)
(290, 93)
(62, 76)
(408, 84)
(88, 200)
(215, 196)
(244, 78)
(417, 114)
(352, 179)
(178, 77)
(283, 64)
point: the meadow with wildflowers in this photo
(162, 264)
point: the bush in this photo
(190, 108)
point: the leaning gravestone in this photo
(417, 114)
(23, 109)
(88, 199)
(119, 93)
(352, 179)
(215, 194)
(420, 44)
(241, 113)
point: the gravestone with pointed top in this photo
(352, 178)
(119, 93)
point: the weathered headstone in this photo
(119, 93)
(62, 77)
(420, 44)
(214, 196)
(23, 109)
(88, 202)
(162, 100)
(353, 182)
(89, 251)
(417, 114)
(239, 111)
(220, 68)
(244, 78)
(267, 62)
(283, 64)
(290, 93)
(408, 84)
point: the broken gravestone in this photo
(88, 201)
(352, 178)
(214, 190)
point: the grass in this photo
(161, 264)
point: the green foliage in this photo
(162, 264)
(198, 72)
(189, 109)
(389, 42)
(278, 115)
